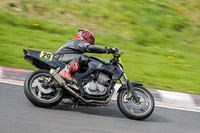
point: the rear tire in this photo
(133, 110)
(52, 95)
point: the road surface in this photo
(18, 115)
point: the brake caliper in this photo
(129, 95)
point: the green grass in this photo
(160, 39)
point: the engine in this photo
(99, 86)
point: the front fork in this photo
(131, 92)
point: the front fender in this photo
(134, 84)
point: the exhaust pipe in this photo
(57, 77)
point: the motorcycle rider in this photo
(73, 53)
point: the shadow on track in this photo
(107, 111)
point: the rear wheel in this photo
(133, 109)
(39, 88)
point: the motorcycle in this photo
(96, 80)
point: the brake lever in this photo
(121, 53)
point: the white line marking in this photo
(9, 82)
(162, 106)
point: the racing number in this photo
(46, 55)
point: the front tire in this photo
(136, 110)
(38, 93)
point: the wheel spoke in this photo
(142, 110)
(132, 110)
(39, 94)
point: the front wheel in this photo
(133, 109)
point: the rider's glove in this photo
(111, 50)
(108, 50)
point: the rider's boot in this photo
(68, 70)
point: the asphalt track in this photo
(18, 115)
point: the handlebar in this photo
(116, 60)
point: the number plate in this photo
(46, 56)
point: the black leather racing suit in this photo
(73, 51)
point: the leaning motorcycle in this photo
(95, 87)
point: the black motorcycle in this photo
(95, 87)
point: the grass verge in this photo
(160, 39)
